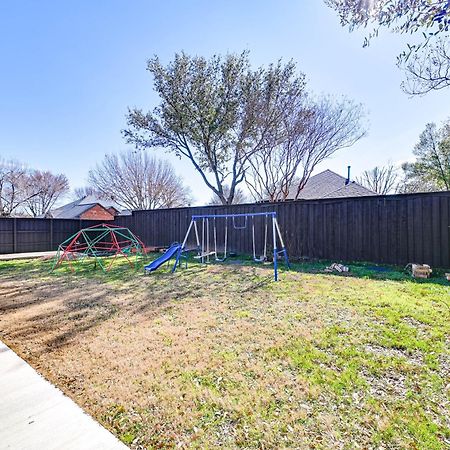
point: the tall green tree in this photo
(427, 62)
(235, 124)
(215, 113)
(431, 170)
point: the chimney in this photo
(347, 181)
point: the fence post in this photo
(51, 234)
(15, 235)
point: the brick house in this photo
(89, 207)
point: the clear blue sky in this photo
(70, 69)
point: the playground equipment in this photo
(172, 251)
(238, 222)
(97, 242)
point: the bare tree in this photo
(85, 191)
(380, 179)
(215, 113)
(239, 197)
(134, 180)
(43, 190)
(427, 72)
(15, 187)
(273, 167)
(307, 135)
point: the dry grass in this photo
(220, 356)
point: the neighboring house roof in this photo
(72, 211)
(75, 209)
(328, 184)
(126, 212)
(92, 199)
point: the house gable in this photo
(96, 212)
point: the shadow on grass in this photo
(54, 308)
(53, 314)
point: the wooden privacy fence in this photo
(22, 235)
(392, 229)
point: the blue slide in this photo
(166, 256)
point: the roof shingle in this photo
(328, 184)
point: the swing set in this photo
(238, 222)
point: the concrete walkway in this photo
(11, 256)
(35, 415)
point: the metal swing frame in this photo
(204, 251)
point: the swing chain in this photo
(264, 255)
(226, 241)
(240, 227)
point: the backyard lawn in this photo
(221, 356)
